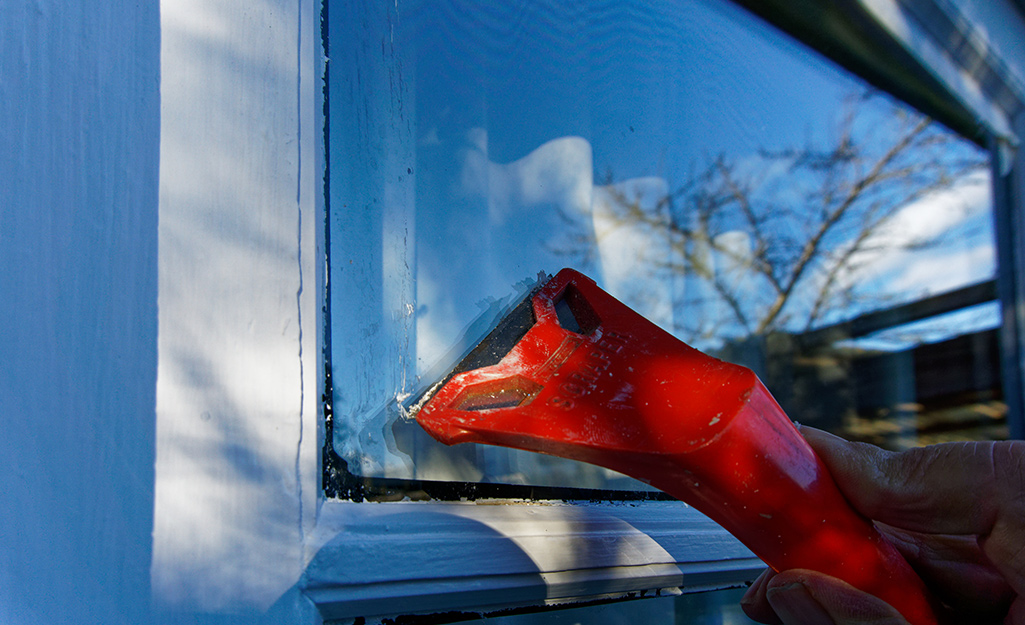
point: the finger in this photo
(956, 569)
(954, 488)
(949, 489)
(802, 597)
(754, 603)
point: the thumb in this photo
(955, 488)
(801, 597)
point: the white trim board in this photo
(377, 560)
(240, 215)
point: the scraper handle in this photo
(587, 378)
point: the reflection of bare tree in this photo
(775, 239)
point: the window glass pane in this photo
(719, 178)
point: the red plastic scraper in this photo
(573, 372)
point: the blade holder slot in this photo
(575, 312)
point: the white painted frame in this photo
(380, 560)
(240, 287)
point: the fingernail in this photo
(794, 604)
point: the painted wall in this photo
(79, 130)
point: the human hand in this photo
(955, 511)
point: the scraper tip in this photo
(484, 342)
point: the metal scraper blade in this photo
(484, 343)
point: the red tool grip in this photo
(592, 380)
